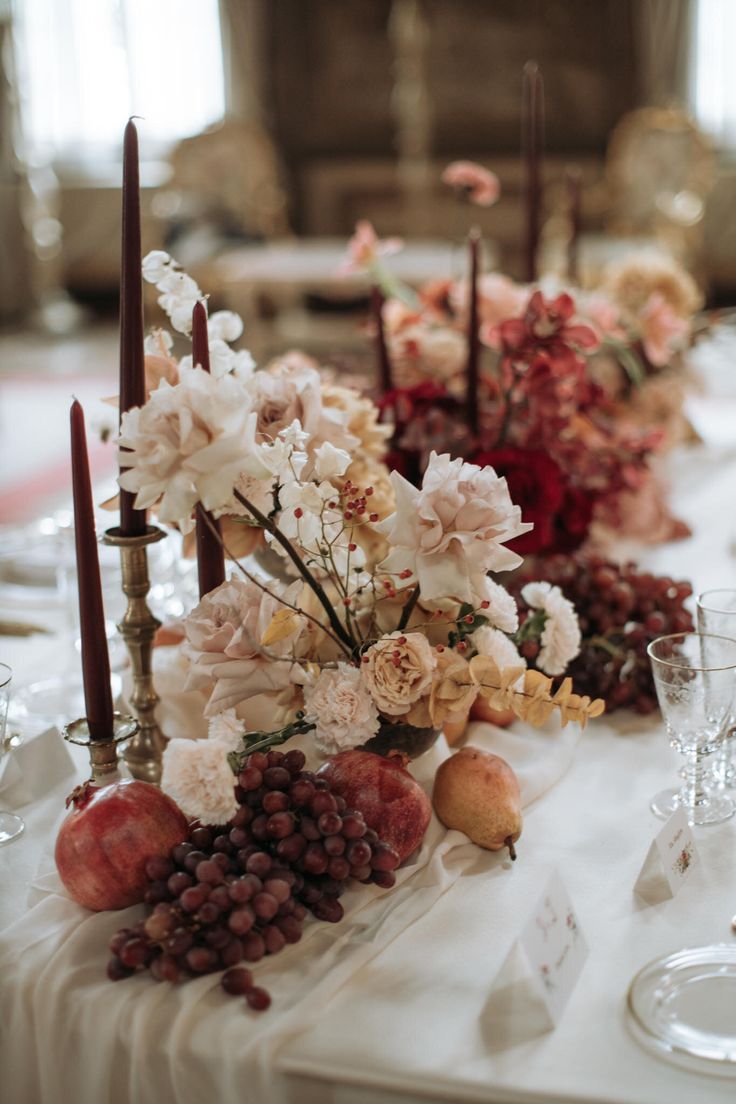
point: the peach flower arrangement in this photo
(371, 620)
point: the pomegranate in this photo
(393, 803)
(110, 834)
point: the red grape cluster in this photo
(236, 893)
(620, 609)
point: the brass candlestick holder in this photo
(138, 628)
(103, 754)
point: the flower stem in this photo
(348, 651)
(408, 608)
(339, 629)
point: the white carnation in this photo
(560, 639)
(494, 643)
(227, 729)
(197, 775)
(502, 612)
(345, 713)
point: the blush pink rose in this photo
(399, 671)
(223, 644)
(449, 533)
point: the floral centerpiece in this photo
(376, 627)
(569, 394)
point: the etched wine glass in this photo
(11, 825)
(717, 614)
(695, 679)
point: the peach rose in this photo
(398, 671)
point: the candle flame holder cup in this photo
(103, 754)
(138, 628)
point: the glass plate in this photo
(683, 1007)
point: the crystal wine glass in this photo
(717, 614)
(11, 825)
(695, 680)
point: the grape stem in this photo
(604, 645)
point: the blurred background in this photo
(268, 127)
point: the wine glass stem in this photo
(694, 794)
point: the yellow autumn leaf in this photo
(283, 623)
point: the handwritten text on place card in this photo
(676, 845)
(554, 945)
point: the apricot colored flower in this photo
(399, 671)
(662, 331)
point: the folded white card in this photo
(41, 762)
(545, 962)
(669, 861)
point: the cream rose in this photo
(189, 443)
(448, 534)
(345, 712)
(291, 390)
(398, 671)
(223, 644)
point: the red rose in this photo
(561, 514)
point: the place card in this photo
(554, 946)
(669, 861)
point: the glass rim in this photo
(5, 679)
(690, 666)
(716, 609)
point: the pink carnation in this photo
(472, 180)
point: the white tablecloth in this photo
(396, 1001)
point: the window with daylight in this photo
(713, 70)
(87, 65)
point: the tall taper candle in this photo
(532, 139)
(574, 194)
(132, 377)
(95, 659)
(471, 394)
(210, 553)
(384, 363)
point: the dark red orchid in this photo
(546, 326)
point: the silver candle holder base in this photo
(138, 629)
(103, 754)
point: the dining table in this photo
(412, 996)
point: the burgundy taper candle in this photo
(95, 659)
(210, 553)
(471, 394)
(132, 374)
(532, 140)
(574, 195)
(384, 363)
